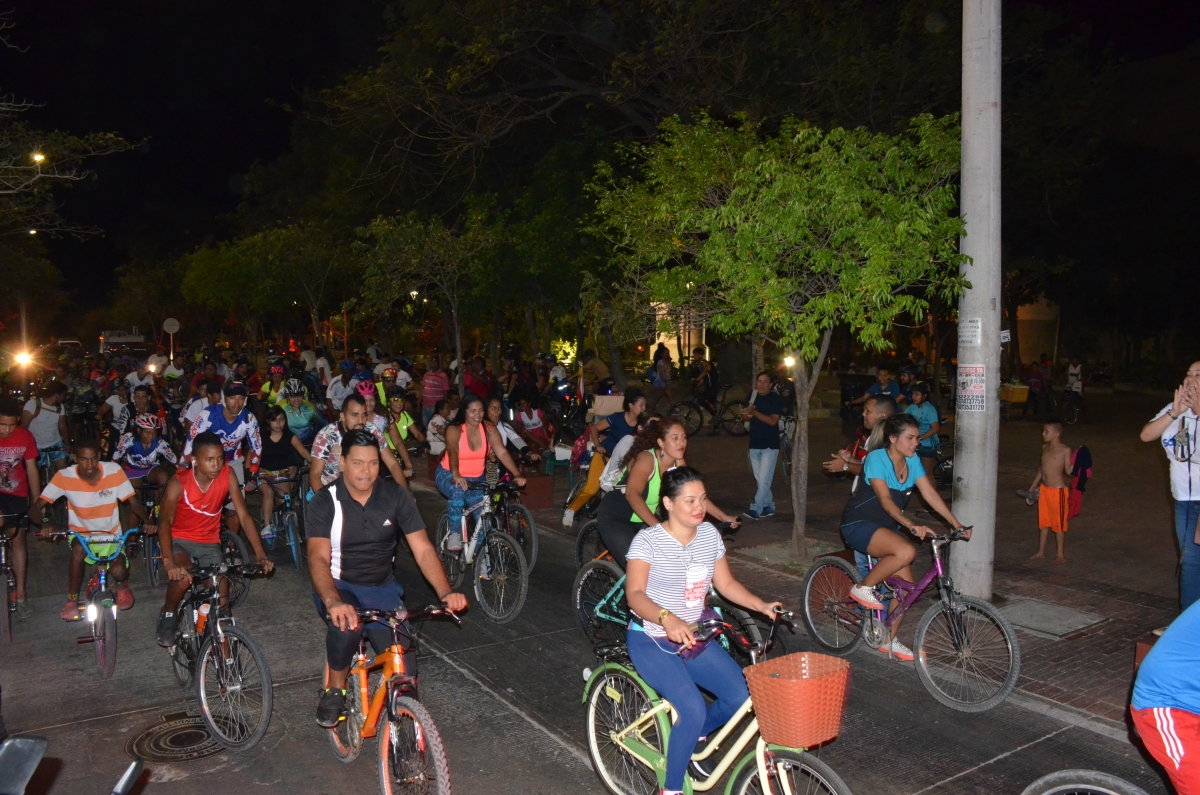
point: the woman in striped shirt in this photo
(670, 568)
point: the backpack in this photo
(652, 371)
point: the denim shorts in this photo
(55, 452)
(858, 534)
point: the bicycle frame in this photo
(395, 679)
(908, 593)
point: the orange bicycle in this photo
(381, 700)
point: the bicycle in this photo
(8, 577)
(221, 660)
(1072, 401)
(629, 728)
(966, 652)
(101, 610)
(151, 549)
(726, 416)
(1081, 782)
(516, 519)
(381, 701)
(288, 521)
(501, 574)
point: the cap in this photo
(234, 388)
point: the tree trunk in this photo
(497, 338)
(531, 327)
(579, 341)
(547, 328)
(614, 359)
(756, 357)
(805, 377)
(458, 350)
(679, 344)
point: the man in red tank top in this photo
(190, 524)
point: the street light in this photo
(788, 361)
(38, 157)
(23, 359)
(413, 294)
(33, 231)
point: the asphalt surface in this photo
(506, 700)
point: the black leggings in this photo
(616, 528)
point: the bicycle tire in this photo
(522, 526)
(616, 701)
(295, 543)
(411, 732)
(1081, 782)
(805, 773)
(236, 553)
(689, 414)
(935, 655)
(104, 634)
(833, 620)
(588, 545)
(452, 562)
(575, 489)
(187, 646)
(231, 731)
(1070, 411)
(502, 595)
(152, 552)
(8, 589)
(731, 418)
(593, 582)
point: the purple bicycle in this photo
(965, 650)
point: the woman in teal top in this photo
(875, 513)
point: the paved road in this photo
(506, 699)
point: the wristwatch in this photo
(663, 614)
(845, 466)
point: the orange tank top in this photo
(470, 462)
(198, 514)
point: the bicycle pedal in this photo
(85, 639)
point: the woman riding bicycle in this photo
(282, 453)
(875, 513)
(658, 449)
(467, 445)
(671, 566)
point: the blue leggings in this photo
(456, 496)
(679, 681)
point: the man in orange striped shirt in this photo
(93, 489)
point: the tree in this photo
(789, 235)
(31, 284)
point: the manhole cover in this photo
(179, 738)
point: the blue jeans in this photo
(679, 681)
(762, 464)
(456, 497)
(1187, 512)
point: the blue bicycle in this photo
(101, 610)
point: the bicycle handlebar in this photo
(707, 630)
(441, 610)
(207, 572)
(94, 538)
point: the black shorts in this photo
(12, 506)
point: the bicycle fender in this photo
(612, 666)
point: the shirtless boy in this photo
(1053, 484)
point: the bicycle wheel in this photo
(452, 561)
(1070, 410)
(236, 553)
(233, 683)
(616, 701)
(104, 634)
(152, 553)
(295, 542)
(689, 414)
(412, 757)
(594, 582)
(802, 771)
(576, 488)
(832, 618)
(589, 545)
(346, 738)
(501, 576)
(187, 646)
(8, 590)
(1081, 782)
(967, 654)
(731, 418)
(523, 528)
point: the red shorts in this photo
(1172, 737)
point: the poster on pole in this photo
(972, 388)
(970, 332)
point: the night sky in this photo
(202, 84)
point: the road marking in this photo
(993, 759)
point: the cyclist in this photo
(190, 530)
(884, 386)
(110, 413)
(671, 566)
(461, 470)
(617, 426)
(340, 387)
(207, 376)
(353, 528)
(512, 440)
(327, 446)
(93, 489)
(402, 413)
(141, 404)
(301, 418)
(929, 424)
(704, 379)
(282, 453)
(45, 418)
(208, 393)
(84, 400)
(146, 456)
(173, 393)
(874, 514)
(233, 425)
(271, 393)
(19, 486)
(658, 449)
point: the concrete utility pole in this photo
(977, 421)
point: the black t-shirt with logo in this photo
(363, 538)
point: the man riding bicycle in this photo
(353, 525)
(233, 424)
(327, 446)
(145, 457)
(19, 485)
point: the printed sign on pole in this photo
(972, 387)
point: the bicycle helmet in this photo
(276, 369)
(293, 388)
(389, 372)
(365, 388)
(396, 393)
(147, 421)
(346, 366)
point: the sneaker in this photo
(166, 630)
(454, 542)
(268, 533)
(72, 611)
(702, 770)
(751, 514)
(568, 518)
(124, 596)
(770, 511)
(24, 609)
(330, 707)
(898, 650)
(865, 596)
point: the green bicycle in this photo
(629, 727)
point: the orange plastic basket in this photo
(798, 698)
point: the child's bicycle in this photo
(501, 574)
(381, 700)
(629, 728)
(966, 652)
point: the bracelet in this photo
(662, 614)
(845, 466)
